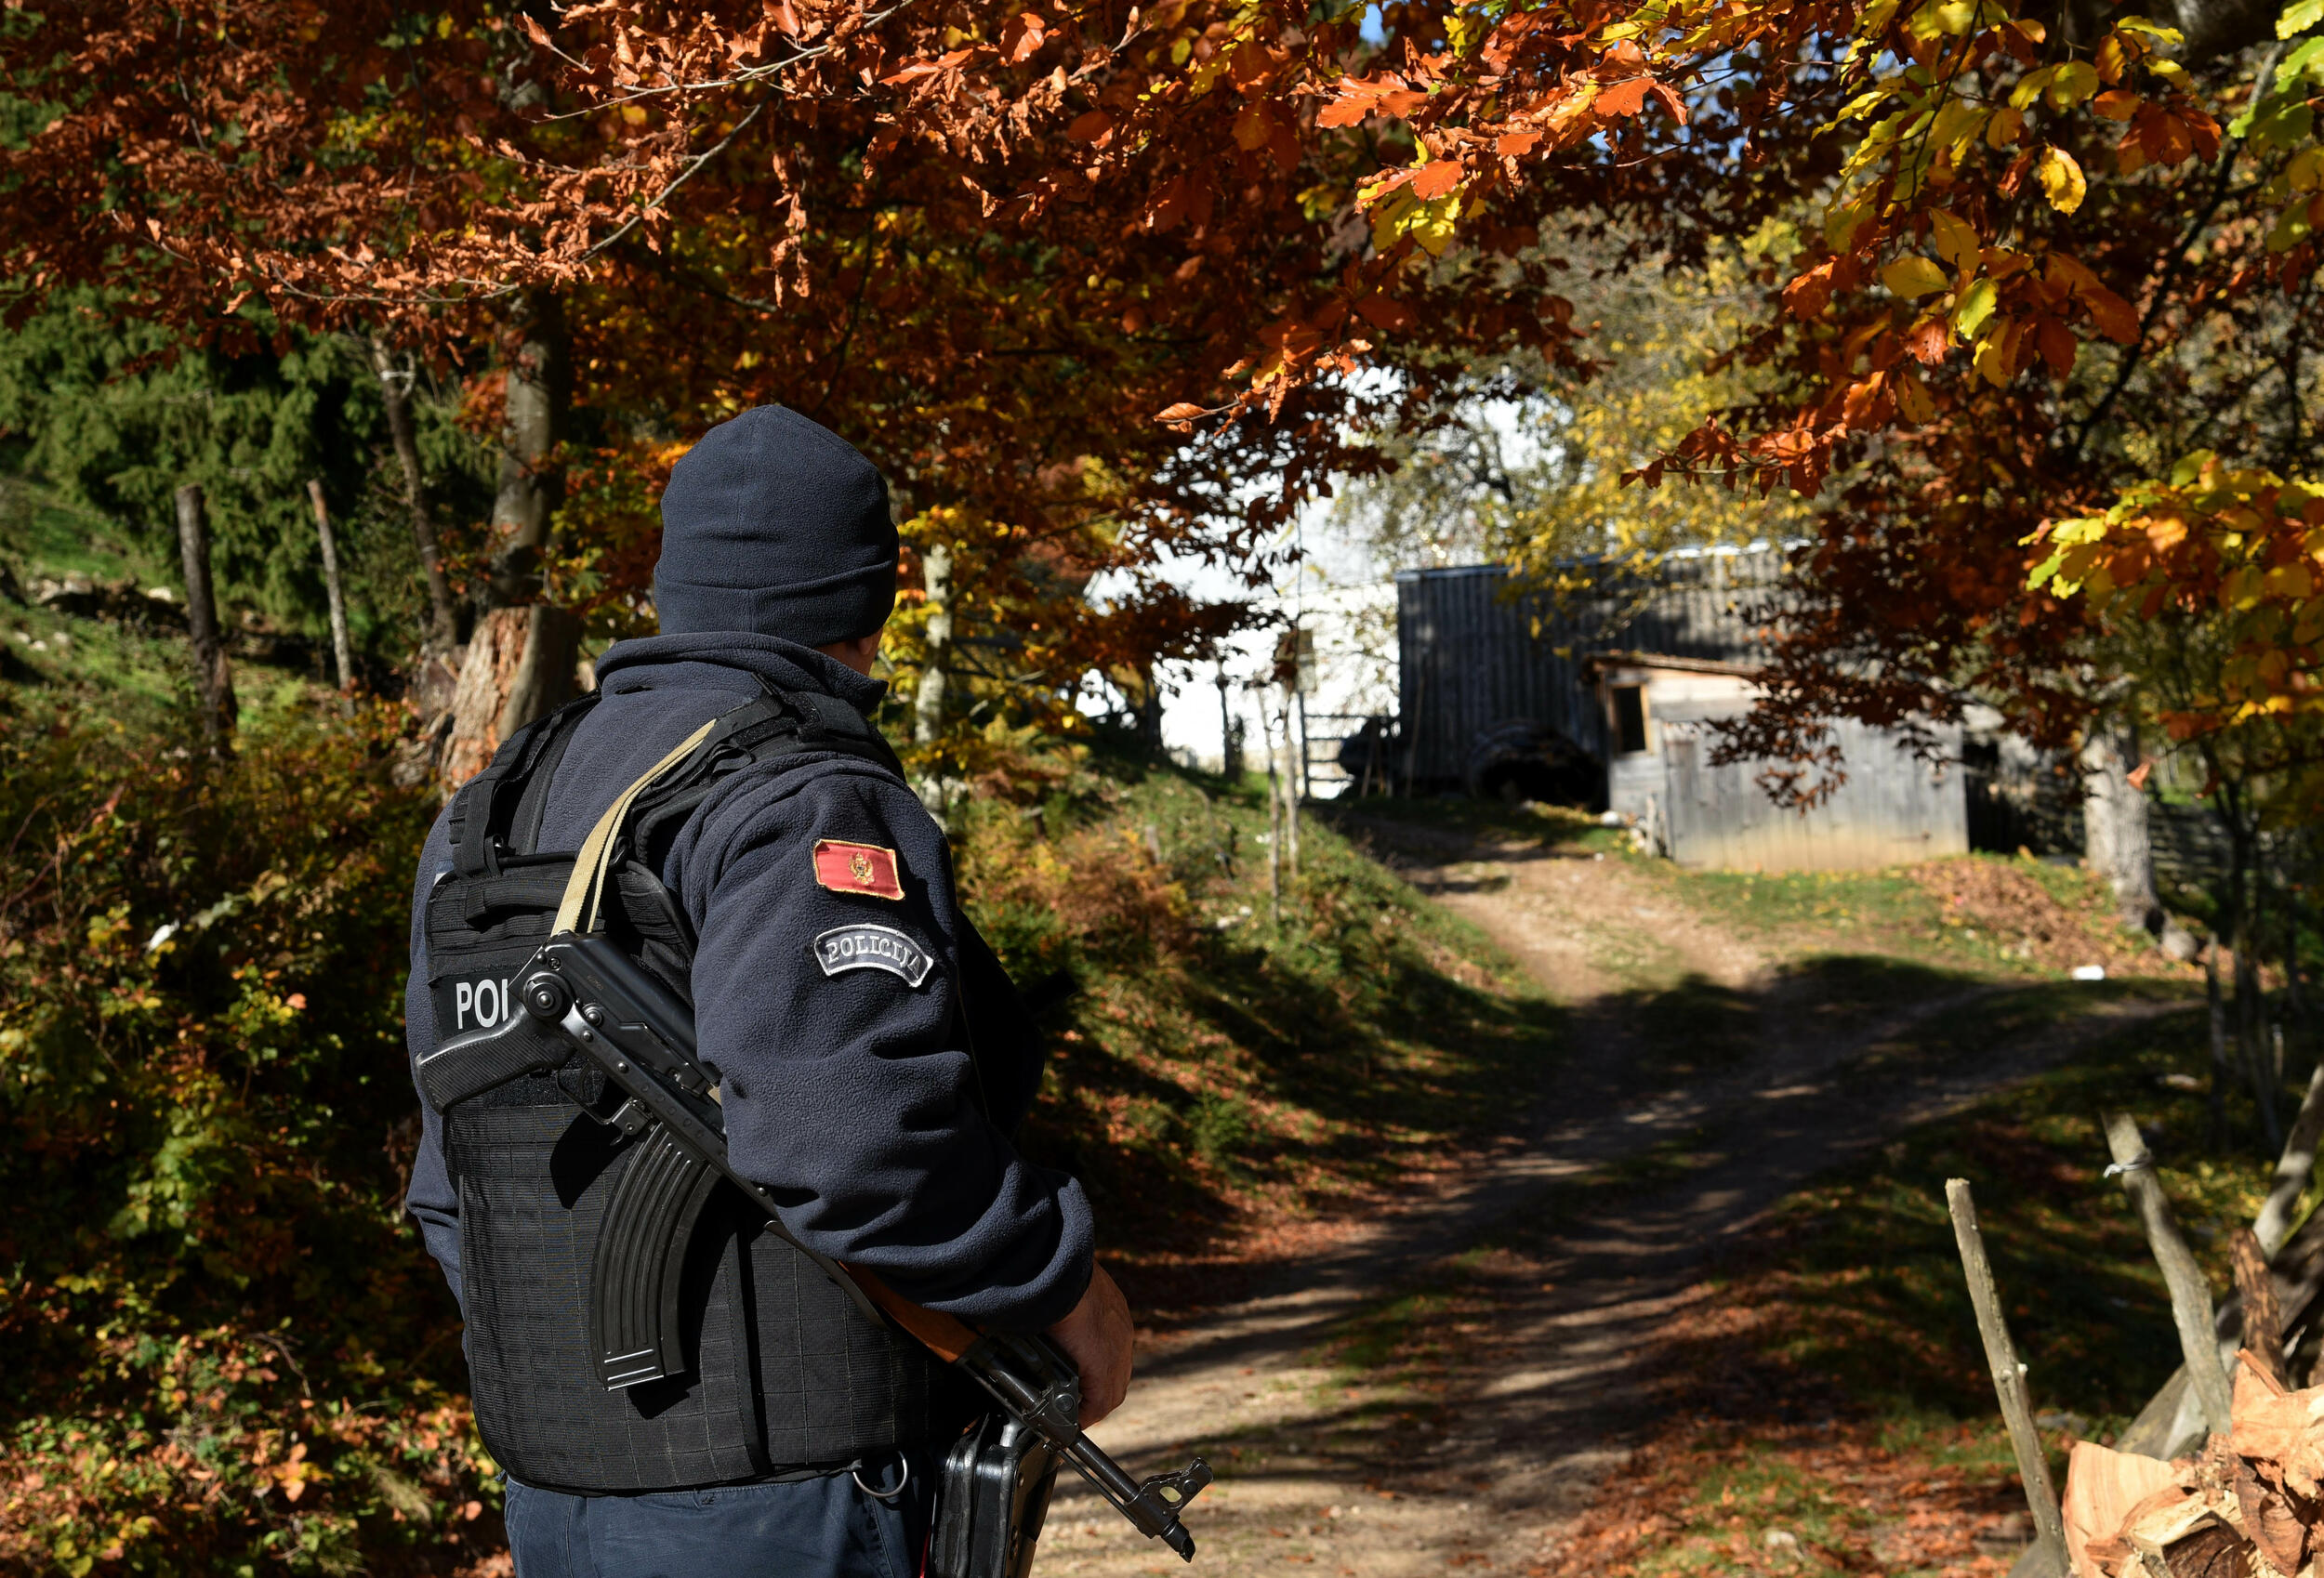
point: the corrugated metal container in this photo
(1895, 808)
(1470, 655)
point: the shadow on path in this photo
(1681, 1115)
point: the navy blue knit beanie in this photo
(775, 524)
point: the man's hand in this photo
(1096, 1337)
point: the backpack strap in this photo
(485, 809)
(766, 728)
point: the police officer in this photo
(872, 1083)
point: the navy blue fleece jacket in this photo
(853, 1096)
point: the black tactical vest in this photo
(784, 1372)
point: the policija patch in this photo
(847, 948)
(857, 868)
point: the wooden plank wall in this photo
(1894, 809)
(1471, 656)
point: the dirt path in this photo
(1337, 1472)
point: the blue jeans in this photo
(822, 1527)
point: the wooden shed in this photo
(1896, 807)
(1636, 675)
(1473, 654)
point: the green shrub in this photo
(229, 1351)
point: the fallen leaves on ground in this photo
(2008, 902)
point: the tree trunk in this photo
(395, 394)
(2295, 997)
(2116, 843)
(521, 664)
(2237, 929)
(340, 651)
(2251, 1029)
(928, 703)
(531, 485)
(213, 678)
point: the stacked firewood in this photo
(2222, 1474)
(2250, 1505)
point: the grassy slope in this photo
(134, 677)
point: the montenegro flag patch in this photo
(857, 868)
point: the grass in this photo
(138, 677)
(42, 535)
(2015, 915)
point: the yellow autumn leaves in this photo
(2062, 180)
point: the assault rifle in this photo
(581, 992)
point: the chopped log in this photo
(2104, 1489)
(214, 680)
(2009, 1376)
(2171, 1424)
(2294, 1169)
(340, 651)
(521, 664)
(2262, 1323)
(2190, 1296)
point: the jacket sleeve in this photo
(853, 1095)
(430, 1198)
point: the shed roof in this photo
(1597, 662)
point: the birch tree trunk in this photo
(340, 651)
(928, 703)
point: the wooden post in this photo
(2294, 1169)
(2009, 1377)
(213, 678)
(1275, 819)
(2263, 1316)
(1290, 792)
(2190, 1296)
(339, 650)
